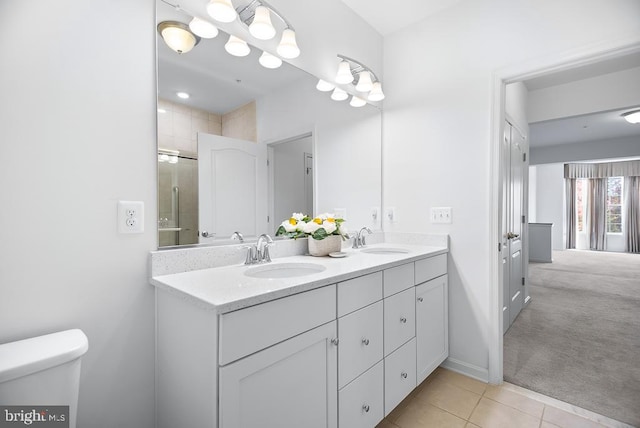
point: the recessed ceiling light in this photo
(182, 95)
(161, 110)
(632, 116)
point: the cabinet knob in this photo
(404, 375)
(335, 341)
(365, 341)
(365, 407)
(403, 320)
(420, 299)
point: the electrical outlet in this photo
(441, 215)
(391, 214)
(130, 217)
(374, 214)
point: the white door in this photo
(513, 220)
(232, 187)
(308, 183)
(290, 385)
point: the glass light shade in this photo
(288, 48)
(237, 47)
(357, 102)
(269, 61)
(202, 28)
(324, 86)
(261, 27)
(344, 75)
(222, 10)
(339, 95)
(376, 93)
(177, 36)
(632, 116)
(364, 82)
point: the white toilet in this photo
(43, 371)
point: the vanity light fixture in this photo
(203, 28)
(177, 36)
(632, 116)
(324, 86)
(182, 95)
(357, 102)
(344, 76)
(364, 82)
(257, 17)
(236, 46)
(269, 61)
(376, 93)
(339, 94)
(222, 10)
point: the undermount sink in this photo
(385, 250)
(284, 270)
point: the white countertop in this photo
(226, 289)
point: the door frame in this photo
(589, 54)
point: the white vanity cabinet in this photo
(432, 314)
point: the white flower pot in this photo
(322, 247)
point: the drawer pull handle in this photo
(335, 341)
(420, 299)
(404, 375)
(365, 341)
(365, 407)
(403, 320)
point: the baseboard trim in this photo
(478, 373)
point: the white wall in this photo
(437, 122)
(77, 116)
(533, 193)
(550, 202)
(622, 147)
(610, 91)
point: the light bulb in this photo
(339, 95)
(222, 10)
(182, 95)
(202, 28)
(344, 75)
(324, 86)
(364, 82)
(269, 61)
(261, 27)
(357, 102)
(237, 47)
(376, 93)
(632, 116)
(288, 48)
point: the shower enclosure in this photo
(177, 199)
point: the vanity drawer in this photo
(360, 404)
(359, 292)
(249, 330)
(399, 375)
(399, 319)
(398, 278)
(360, 342)
(430, 268)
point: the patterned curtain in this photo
(632, 200)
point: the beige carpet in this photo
(579, 338)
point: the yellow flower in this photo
(317, 220)
(293, 221)
(331, 220)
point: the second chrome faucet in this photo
(259, 252)
(358, 240)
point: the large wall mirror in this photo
(250, 145)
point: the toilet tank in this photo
(43, 371)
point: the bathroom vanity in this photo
(302, 341)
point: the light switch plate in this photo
(441, 215)
(130, 217)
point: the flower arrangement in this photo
(319, 227)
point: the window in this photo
(581, 202)
(614, 205)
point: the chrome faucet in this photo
(358, 240)
(238, 236)
(259, 252)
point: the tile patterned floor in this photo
(450, 400)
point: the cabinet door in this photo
(361, 401)
(360, 346)
(432, 325)
(290, 385)
(399, 319)
(399, 375)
